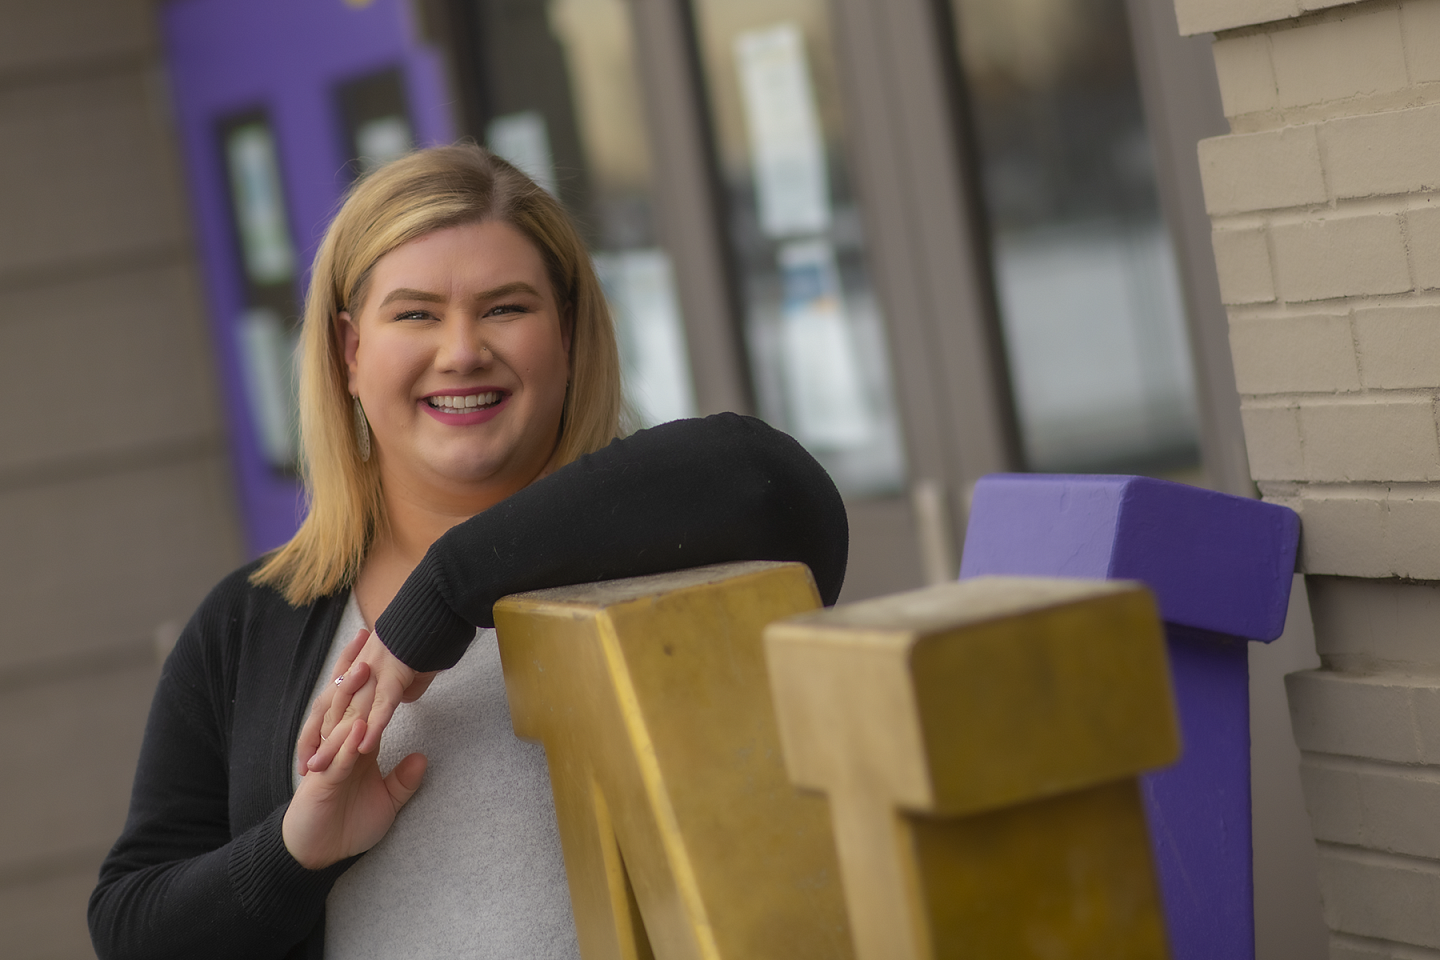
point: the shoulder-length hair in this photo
(418, 194)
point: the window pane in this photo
(813, 328)
(376, 119)
(268, 332)
(564, 105)
(1089, 292)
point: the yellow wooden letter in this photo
(682, 836)
(978, 743)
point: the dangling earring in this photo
(362, 431)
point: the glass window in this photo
(376, 121)
(563, 104)
(268, 328)
(813, 328)
(1088, 288)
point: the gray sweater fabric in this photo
(472, 865)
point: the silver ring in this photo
(339, 680)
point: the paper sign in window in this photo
(787, 150)
(823, 385)
(524, 140)
(641, 290)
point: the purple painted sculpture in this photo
(1220, 568)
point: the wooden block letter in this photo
(978, 743)
(1220, 568)
(682, 836)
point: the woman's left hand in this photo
(371, 695)
(345, 810)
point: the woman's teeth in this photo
(471, 401)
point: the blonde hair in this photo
(418, 194)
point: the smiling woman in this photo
(456, 316)
(465, 207)
(459, 418)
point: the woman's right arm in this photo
(177, 883)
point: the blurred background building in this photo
(932, 239)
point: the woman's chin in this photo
(483, 475)
(489, 471)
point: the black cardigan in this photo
(201, 869)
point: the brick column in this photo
(1325, 202)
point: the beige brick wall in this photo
(1327, 239)
(1318, 64)
(115, 506)
(1380, 806)
(1242, 258)
(1325, 204)
(1387, 901)
(1400, 344)
(1312, 353)
(1325, 257)
(1260, 171)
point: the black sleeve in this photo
(682, 494)
(176, 883)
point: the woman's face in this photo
(460, 358)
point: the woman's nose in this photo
(462, 347)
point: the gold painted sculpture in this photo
(978, 743)
(651, 699)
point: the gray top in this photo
(472, 865)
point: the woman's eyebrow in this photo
(506, 290)
(405, 293)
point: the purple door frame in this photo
(287, 57)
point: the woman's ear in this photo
(349, 337)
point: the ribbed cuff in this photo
(420, 627)
(273, 887)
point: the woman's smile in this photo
(464, 407)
